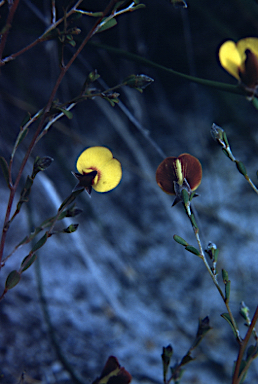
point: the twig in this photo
(40, 39)
(236, 377)
(41, 123)
(8, 25)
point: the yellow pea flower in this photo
(178, 170)
(98, 170)
(241, 60)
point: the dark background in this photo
(120, 285)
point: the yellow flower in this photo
(179, 170)
(98, 170)
(241, 60)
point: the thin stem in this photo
(236, 89)
(40, 39)
(41, 123)
(8, 26)
(214, 277)
(236, 377)
(252, 184)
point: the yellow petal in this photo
(247, 43)
(100, 159)
(230, 58)
(93, 158)
(109, 177)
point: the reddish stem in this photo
(243, 346)
(41, 123)
(8, 26)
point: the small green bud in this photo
(40, 164)
(217, 133)
(244, 312)
(71, 228)
(138, 82)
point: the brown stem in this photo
(8, 26)
(39, 39)
(41, 123)
(242, 348)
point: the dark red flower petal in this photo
(176, 169)
(113, 373)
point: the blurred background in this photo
(120, 285)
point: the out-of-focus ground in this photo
(120, 285)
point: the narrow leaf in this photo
(241, 168)
(224, 276)
(193, 250)
(40, 243)
(68, 114)
(21, 136)
(186, 359)
(227, 291)
(12, 279)
(180, 240)
(107, 25)
(227, 318)
(28, 261)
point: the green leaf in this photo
(227, 291)
(26, 119)
(241, 168)
(225, 139)
(94, 14)
(40, 243)
(139, 6)
(227, 318)
(107, 24)
(5, 169)
(113, 101)
(186, 359)
(185, 196)
(193, 221)
(68, 114)
(12, 279)
(21, 136)
(193, 250)
(255, 102)
(252, 352)
(28, 261)
(24, 197)
(180, 240)
(216, 254)
(224, 276)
